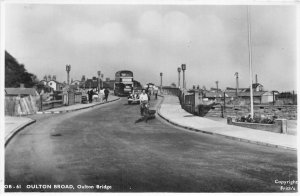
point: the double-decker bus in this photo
(123, 83)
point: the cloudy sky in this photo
(211, 40)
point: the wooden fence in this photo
(17, 106)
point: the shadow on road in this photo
(144, 118)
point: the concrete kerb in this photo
(16, 130)
(65, 111)
(221, 135)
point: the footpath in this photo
(14, 124)
(170, 110)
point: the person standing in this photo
(155, 92)
(106, 92)
(101, 95)
(143, 101)
(91, 95)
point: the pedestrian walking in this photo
(106, 92)
(91, 92)
(143, 101)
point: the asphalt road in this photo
(102, 149)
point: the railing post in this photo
(224, 109)
(282, 124)
(41, 102)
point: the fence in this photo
(46, 105)
(286, 98)
(17, 106)
(171, 91)
(223, 107)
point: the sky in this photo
(212, 40)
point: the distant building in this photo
(91, 83)
(256, 88)
(44, 82)
(76, 82)
(109, 84)
(56, 86)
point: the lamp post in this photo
(68, 69)
(99, 86)
(237, 83)
(179, 70)
(161, 74)
(102, 80)
(183, 67)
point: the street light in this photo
(99, 73)
(179, 70)
(217, 83)
(161, 74)
(102, 80)
(237, 83)
(68, 69)
(183, 67)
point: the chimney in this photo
(256, 79)
(22, 85)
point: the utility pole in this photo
(161, 75)
(250, 60)
(99, 85)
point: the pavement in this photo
(170, 110)
(75, 107)
(14, 124)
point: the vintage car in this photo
(133, 98)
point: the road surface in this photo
(102, 149)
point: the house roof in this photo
(255, 94)
(54, 81)
(230, 89)
(21, 91)
(255, 85)
(233, 94)
(214, 94)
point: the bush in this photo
(257, 119)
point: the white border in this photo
(128, 2)
(2, 84)
(160, 2)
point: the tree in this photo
(15, 73)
